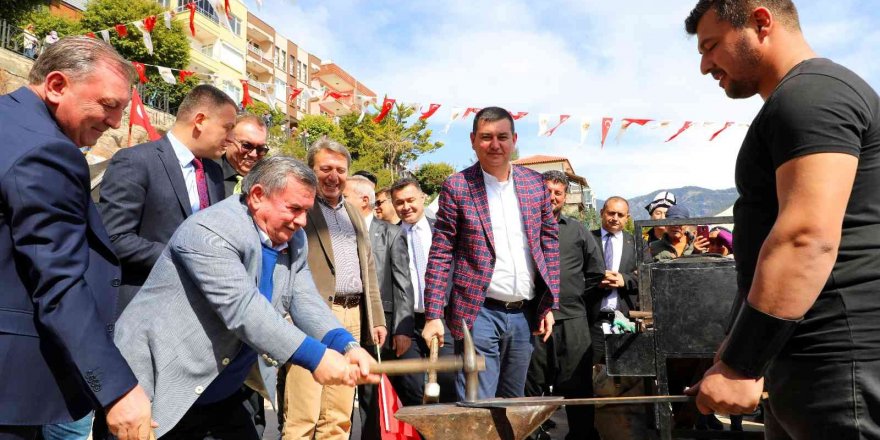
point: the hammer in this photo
(432, 388)
(469, 362)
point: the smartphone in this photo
(703, 231)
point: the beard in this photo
(749, 60)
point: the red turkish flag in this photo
(192, 17)
(606, 127)
(562, 119)
(431, 110)
(518, 115)
(121, 30)
(91, 35)
(715, 135)
(684, 127)
(150, 23)
(138, 116)
(294, 93)
(245, 94)
(470, 110)
(335, 95)
(387, 104)
(227, 10)
(389, 427)
(184, 74)
(141, 70)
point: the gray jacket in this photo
(202, 301)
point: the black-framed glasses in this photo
(247, 146)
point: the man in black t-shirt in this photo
(809, 319)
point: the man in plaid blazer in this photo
(495, 226)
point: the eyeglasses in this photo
(247, 146)
(380, 202)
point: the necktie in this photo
(609, 252)
(237, 188)
(201, 184)
(418, 257)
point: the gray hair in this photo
(78, 57)
(272, 173)
(326, 143)
(362, 186)
(556, 176)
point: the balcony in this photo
(203, 63)
(208, 27)
(257, 60)
(254, 33)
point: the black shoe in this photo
(713, 423)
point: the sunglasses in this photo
(247, 146)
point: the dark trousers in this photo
(8, 432)
(229, 419)
(565, 363)
(815, 399)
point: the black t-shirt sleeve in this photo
(814, 113)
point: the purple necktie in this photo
(201, 184)
(609, 252)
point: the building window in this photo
(230, 56)
(207, 50)
(231, 90)
(280, 90)
(165, 3)
(280, 58)
(235, 24)
(291, 63)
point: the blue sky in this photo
(586, 58)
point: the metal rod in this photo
(506, 403)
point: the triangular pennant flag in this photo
(562, 119)
(335, 95)
(715, 135)
(390, 428)
(192, 17)
(606, 127)
(138, 116)
(245, 94)
(121, 30)
(142, 71)
(431, 110)
(91, 35)
(626, 122)
(270, 96)
(543, 123)
(227, 9)
(456, 115)
(518, 115)
(166, 74)
(148, 39)
(585, 128)
(659, 124)
(150, 23)
(387, 103)
(260, 4)
(167, 17)
(220, 9)
(184, 74)
(362, 115)
(294, 93)
(684, 127)
(470, 111)
(105, 34)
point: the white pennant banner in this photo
(167, 17)
(148, 39)
(585, 128)
(457, 113)
(167, 75)
(105, 34)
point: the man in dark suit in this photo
(395, 287)
(496, 226)
(617, 291)
(150, 189)
(418, 229)
(58, 273)
(247, 146)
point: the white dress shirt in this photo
(610, 300)
(185, 160)
(513, 277)
(264, 238)
(423, 229)
(368, 220)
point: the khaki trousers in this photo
(315, 411)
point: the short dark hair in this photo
(370, 176)
(556, 176)
(203, 97)
(403, 183)
(616, 198)
(736, 12)
(492, 114)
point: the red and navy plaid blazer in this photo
(463, 240)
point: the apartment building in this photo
(580, 195)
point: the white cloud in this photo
(594, 58)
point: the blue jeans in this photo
(503, 337)
(78, 430)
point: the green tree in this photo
(19, 11)
(432, 175)
(311, 128)
(170, 46)
(44, 21)
(387, 148)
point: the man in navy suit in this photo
(58, 273)
(150, 189)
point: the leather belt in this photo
(347, 301)
(512, 305)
